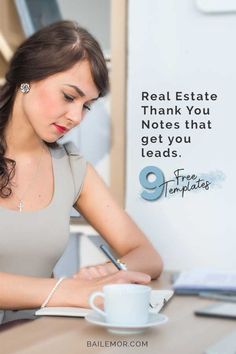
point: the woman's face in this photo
(58, 103)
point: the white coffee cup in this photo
(124, 304)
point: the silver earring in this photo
(25, 87)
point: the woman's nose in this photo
(75, 115)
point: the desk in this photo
(183, 334)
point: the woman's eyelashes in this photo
(87, 107)
(69, 98)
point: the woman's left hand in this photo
(96, 271)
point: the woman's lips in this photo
(60, 128)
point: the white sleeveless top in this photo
(31, 242)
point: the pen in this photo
(119, 265)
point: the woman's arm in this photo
(23, 292)
(98, 206)
(17, 292)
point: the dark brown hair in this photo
(51, 50)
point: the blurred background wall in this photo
(185, 46)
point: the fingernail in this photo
(147, 277)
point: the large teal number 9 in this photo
(156, 187)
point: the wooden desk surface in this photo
(183, 334)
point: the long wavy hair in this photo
(51, 50)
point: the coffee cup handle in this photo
(91, 302)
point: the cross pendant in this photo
(20, 205)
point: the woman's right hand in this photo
(75, 292)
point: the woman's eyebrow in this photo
(80, 92)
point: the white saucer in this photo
(156, 319)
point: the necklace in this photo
(20, 204)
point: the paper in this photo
(210, 280)
(63, 311)
(159, 298)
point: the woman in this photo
(53, 79)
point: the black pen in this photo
(119, 265)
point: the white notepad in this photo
(158, 299)
(63, 311)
